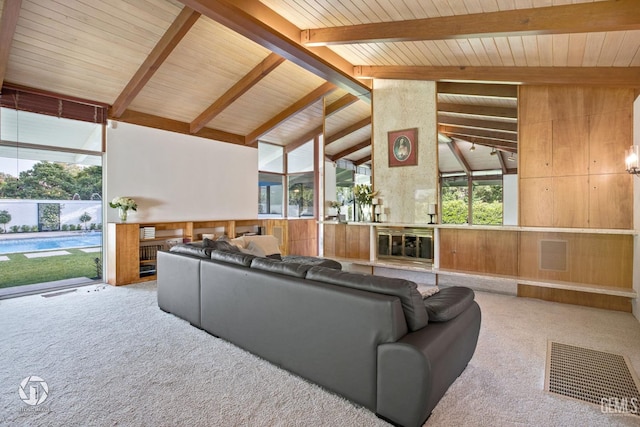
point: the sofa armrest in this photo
(415, 372)
(179, 285)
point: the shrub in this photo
(99, 226)
(65, 227)
(14, 228)
(72, 227)
(92, 226)
(25, 228)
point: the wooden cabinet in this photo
(132, 257)
(481, 251)
(347, 241)
(572, 145)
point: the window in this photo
(271, 194)
(270, 158)
(301, 195)
(486, 199)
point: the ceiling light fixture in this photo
(493, 152)
(511, 158)
(473, 147)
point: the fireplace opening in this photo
(402, 243)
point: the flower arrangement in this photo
(335, 204)
(364, 194)
(123, 204)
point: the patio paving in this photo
(4, 258)
(46, 254)
(90, 250)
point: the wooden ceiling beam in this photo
(8, 23)
(478, 123)
(303, 139)
(156, 122)
(457, 153)
(174, 34)
(340, 104)
(348, 130)
(606, 76)
(486, 90)
(478, 110)
(255, 21)
(319, 92)
(503, 164)
(362, 160)
(508, 146)
(350, 150)
(252, 78)
(480, 133)
(599, 16)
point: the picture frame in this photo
(403, 147)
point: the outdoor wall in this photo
(177, 177)
(25, 212)
(406, 191)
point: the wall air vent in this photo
(553, 255)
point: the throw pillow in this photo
(253, 249)
(219, 245)
(427, 292)
(268, 244)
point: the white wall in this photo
(510, 199)
(176, 177)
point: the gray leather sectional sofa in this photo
(364, 337)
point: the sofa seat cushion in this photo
(448, 303)
(313, 261)
(275, 266)
(406, 290)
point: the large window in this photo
(50, 198)
(299, 175)
(486, 199)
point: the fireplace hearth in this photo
(405, 243)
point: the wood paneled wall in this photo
(303, 237)
(572, 145)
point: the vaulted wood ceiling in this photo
(246, 70)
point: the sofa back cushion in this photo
(193, 250)
(232, 257)
(407, 291)
(275, 266)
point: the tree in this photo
(5, 218)
(85, 218)
(88, 182)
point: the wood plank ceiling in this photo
(245, 71)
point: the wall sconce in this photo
(632, 160)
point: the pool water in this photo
(34, 244)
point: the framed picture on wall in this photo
(403, 147)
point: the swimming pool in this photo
(34, 244)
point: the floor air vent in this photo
(604, 379)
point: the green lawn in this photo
(20, 270)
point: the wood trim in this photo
(605, 76)
(255, 21)
(174, 34)
(8, 23)
(156, 122)
(608, 302)
(252, 78)
(298, 106)
(620, 15)
(474, 89)
(348, 130)
(351, 150)
(457, 153)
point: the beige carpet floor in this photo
(110, 357)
